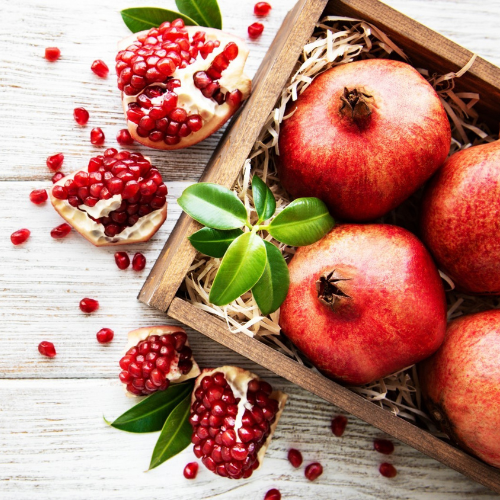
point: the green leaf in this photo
(270, 291)
(263, 199)
(213, 206)
(240, 269)
(213, 242)
(144, 18)
(204, 12)
(150, 414)
(175, 435)
(301, 223)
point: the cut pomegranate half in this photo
(180, 83)
(156, 357)
(234, 415)
(119, 199)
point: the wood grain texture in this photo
(52, 439)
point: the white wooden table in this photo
(53, 441)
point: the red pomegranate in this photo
(459, 218)
(364, 302)
(363, 137)
(234, 415)
(180, 83)
(461, 384)
(156, 357)
(119, 199)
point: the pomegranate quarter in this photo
(364, 302)
(363, 137)
(119, 199)
(180, 83)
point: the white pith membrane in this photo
(340, 40)
(145, 227)
(175, 377)
(238, 380)
(190, 98)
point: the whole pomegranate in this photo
(461, 384)
(234, 415)
(459, 218)
(364, 302)
(363, 137)
(121, 198)
(180, 83)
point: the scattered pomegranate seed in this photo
(38, 196)
(81, 116)
(52, 54)
(57, 177)
(388, 470)
(89, 305)
(255, 30)
(191, 470)
(100, 68)
(47, 349)
(383, 446)
(262, 9)
(105, 335)
(339, 424)
(295, 457)
(122, 260)
(20, 236)
(61, 231)
(138, 262)
(54, 162)
(124, 138)
(97, 136)
(313, 471)
(273, 494)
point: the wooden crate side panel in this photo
(334, 393)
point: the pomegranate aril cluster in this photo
(224, 450)
(148, 366)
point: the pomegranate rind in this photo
(240, 378)
(232, 79)
(135, 336)
(94, 232)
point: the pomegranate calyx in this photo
(354, 101)
(329, 292)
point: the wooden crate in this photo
(426, 49)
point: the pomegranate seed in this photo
(105, 335)
(124, 138)
(20, 236)
(38, 196)
(100, 68)
(47, 349)
(97, 136)
(255, 30)
(191, 470)
(138, 262)
(61, 231)
(388, 470)
(89, 305)
(122, 260)
(339, 424)
(52, 54)
(262, 9)
(313, 471)
(273, 494)
(81, 116)
(57, 177)
(60, 192)
(383, 446)
(54, 162)
(295, 457)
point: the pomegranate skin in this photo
(389, 310)
(461, 384)
(459, 219)
(363, 165)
